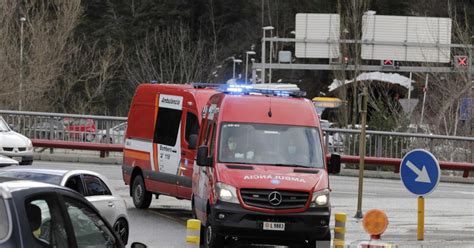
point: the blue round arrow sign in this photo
(420, 172)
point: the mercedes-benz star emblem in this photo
(275, 198)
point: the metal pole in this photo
(246, 66)
(424, 99)
(271, 57)
(421, 218)
(409, 88)
(233, 71)
(22, 20)
(471, 113)
(263, 57)
(363, 117)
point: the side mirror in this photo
(192, 141)
(138, 245)
(334, 166)
(202, 159)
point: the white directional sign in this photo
(420, 172)
(396, 36)
(321, 27)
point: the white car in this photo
(93, 186)
(6, 161)
(116, 134)
(15, 145)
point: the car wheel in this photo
(121, 228)
(211, 238)
(141, 197)
(89, 137)
(324, 242)
(26, 162)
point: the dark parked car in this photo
(35, 214)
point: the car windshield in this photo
(4, 224)
(40, 177)
(3, 126)
(271, 145)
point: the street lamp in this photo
(247, 63)
(263, 50)
(235, 61)
(22, 20)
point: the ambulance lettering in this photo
(270, 177)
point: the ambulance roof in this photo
(256, 109)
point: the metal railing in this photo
(396, 145)
(111, 130)
(67, 127)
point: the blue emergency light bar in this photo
(256, 89)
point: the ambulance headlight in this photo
(320, 198)
(226, 193)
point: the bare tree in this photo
(86, 78)
(169, 55)
(445, 91)
(48, 45)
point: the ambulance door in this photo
(167, 142)
(190, 127)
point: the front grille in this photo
(21, 149)
(260, 198)
(8, 149)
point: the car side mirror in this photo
(192, 141)
(138, 245)
(202, 159)
(334, 166)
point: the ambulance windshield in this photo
(270, 145)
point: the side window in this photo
(75, 183)
(89, 229)
(95, 186)
(167, 126)
(46, 222)
(4, 224)
(212, 138)
(192, 125)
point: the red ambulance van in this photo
(160, 141)
(261, 172)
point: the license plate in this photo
(19, 159)
(274, 226)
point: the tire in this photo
(324, 242)
(121, 228)
(141, 197)
(211, 238)
(89, 137)
(202, 232)
(26, 162)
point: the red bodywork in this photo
(255, 109)
(142, 118)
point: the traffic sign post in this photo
(420, 173)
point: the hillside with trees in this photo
(88, 56)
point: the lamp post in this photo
(22, 20)
(247, 63)
(263, 50)
(235, 61)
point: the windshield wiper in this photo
(293, 165)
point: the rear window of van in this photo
(4, 220)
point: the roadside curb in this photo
(396, 176)
(78, 159)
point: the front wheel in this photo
(141, 197)
(121, 228)
(324, 242)
(26, 162)
(211, 238)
